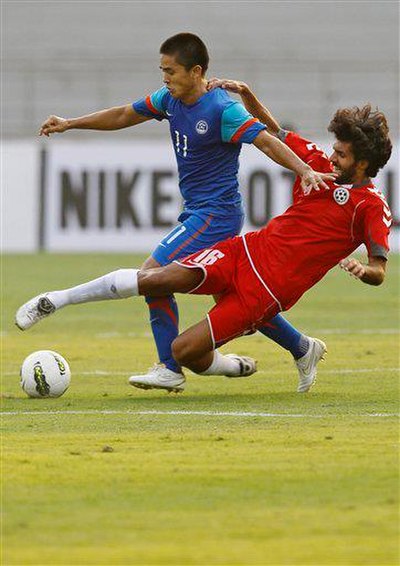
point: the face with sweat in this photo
(348, 169)
(180, 82)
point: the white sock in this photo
(118, 284)
(221, 365)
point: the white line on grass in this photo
(199, 413)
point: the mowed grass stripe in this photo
(199, 413)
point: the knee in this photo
(153, 281)
(149, 263)
(182, 350)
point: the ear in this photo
(362, 165)
(197, 71)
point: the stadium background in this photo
(304, 59)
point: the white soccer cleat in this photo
(33, 311)
(159, 377)
(247, 366)
(307, 364)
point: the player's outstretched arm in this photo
(283, 155)
(114, 118)
(372, 273)
(250, 101)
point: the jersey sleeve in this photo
(376, 227)
(238, 126)
(153, 105)
(308, 151)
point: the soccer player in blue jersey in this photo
(207, 130)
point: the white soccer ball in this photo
(45, 374)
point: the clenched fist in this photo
(353, 267)
(53, 124)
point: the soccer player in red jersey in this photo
(262, 273)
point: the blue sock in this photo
(286, 335)
(164, 320)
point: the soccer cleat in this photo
(307, 364)
(247, 366)
(159, 377)
(33, 311)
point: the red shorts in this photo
(245, 302)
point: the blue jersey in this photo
(207, 138)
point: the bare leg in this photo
(194, 347)
(172, 278)
(120, 284)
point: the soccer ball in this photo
(45, 374)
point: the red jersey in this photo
(296, 249)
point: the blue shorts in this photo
(196, 231)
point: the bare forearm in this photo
(258, 110)
(280, 153)
(110, 119)
(271, 145)
(250, 101)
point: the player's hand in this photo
(232, 86)
(53, 124)
(311, 180)
(353, 267)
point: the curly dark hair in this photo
(368, 132)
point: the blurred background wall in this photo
(304, 58)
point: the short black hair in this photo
(188, 49)
(368, 132)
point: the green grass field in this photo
(241, 471)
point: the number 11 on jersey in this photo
(178, 143)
